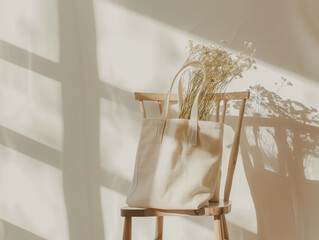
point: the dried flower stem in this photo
(221, 68)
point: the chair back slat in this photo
(215, 197)
(220, 97)
(224, 111)
(160, 106)
(142, 109)
(217, 110)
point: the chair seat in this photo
(214, 208)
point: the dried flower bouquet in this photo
(221, 68)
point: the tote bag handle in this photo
(192, 131)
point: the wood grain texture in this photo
(141, 96)
(142, 109)
(214, 208)
(127, 233)
(159, 228)
(218, 235)
(234, 154)
(155, 97)
(225, 229)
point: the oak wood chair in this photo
(217, 207)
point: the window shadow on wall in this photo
(79, 158)
(13, 232)
(283, 186)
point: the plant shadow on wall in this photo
(280, 150)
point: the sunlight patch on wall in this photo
(267, 144)
(280, 83)
(111, 215)
(30, 104)
(133, 52)
(311, 166)
(243, 212)
(32, 25)
(188, 227)
(32, 195)
(118, 138)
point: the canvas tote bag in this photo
(177, 160)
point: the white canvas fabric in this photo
(177, 160)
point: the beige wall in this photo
(69, 126)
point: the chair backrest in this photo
(222, 98)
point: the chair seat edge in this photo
(214, 208)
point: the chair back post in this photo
(225, 98)
(234, 153)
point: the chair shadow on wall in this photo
(279, 148)
(280, 152)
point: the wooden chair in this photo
(217, 207)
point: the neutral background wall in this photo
(69, 125)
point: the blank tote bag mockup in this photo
(177, 160)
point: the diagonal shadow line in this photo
(114, 182)
(118, 95)
(29, 61)
(201, 26)
(30, 147)
(10, 231)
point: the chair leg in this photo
(218, 228)
(159, 228)
(127, 233)
(225, 229)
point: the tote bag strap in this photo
(194, 112)
(180, 94)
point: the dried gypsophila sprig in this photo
(221, 68)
